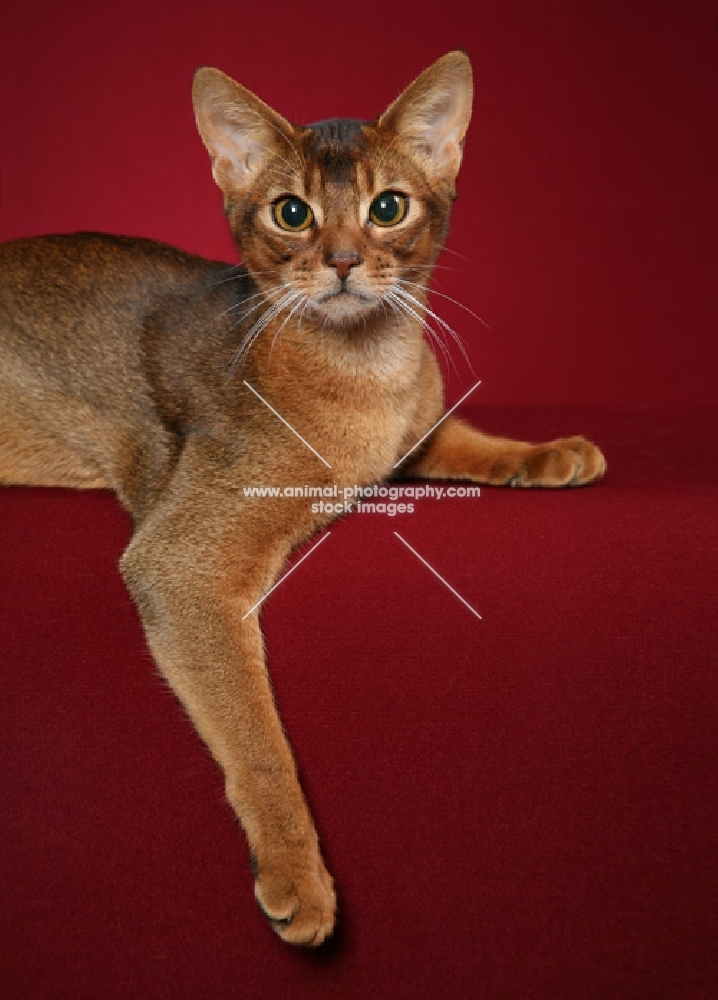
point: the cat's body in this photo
(131, 365)
(154, 372)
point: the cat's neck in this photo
(354, 394)
(382, 354)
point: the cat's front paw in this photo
(297, 897)
(570, 461)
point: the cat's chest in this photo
(352, 438)
(363, 447)
(355, 423)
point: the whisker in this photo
(273, 310)
(286, 319)
(434, 267)
(448, 250)
(263, 292)
(461, 305)
(250, 337)
(248, 312)
(402, 293)
(246, 273)
(231, 267)
(405, 307)
(307, 301)
(243, 302)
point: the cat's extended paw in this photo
(298, 899)
(570, 461)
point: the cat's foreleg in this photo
(457, 451)
(454, 450)
(193, 577)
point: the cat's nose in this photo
(343, 263)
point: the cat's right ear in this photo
(241, 132)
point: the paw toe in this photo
(300, 908)
(591, 464)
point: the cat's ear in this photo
(241, 132)
(433, 114)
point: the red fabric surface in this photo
(518, 807)
(523, 806)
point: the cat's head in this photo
(339, 213)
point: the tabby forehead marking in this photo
(336, 145)
(330, 131)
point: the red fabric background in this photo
(521, 807)
(587, 200)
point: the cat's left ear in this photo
(433, 114)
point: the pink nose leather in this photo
(343, 263)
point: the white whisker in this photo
(258, 326)
(246, 273)
(433, 291)
(395, 300)
(301, 298)
(242, 302)
(444, 249)
(263, 297)
(307, 301)
(402, 293)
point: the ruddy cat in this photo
(123, 366)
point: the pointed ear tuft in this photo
(433, 114)
(241, 132)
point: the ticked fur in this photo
(124, 364)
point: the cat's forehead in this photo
(347, 156)
(335, 146)
(336, 131)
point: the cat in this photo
(131, 365)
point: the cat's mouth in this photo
(346, 305)
(343, 293)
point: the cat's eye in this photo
(388, 208)
(292, 214)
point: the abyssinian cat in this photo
(128, 364)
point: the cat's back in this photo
(79, 255)
(50, 285)
(74, 308)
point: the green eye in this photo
(388, 208)
(292, 214)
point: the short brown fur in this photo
(123, 367)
